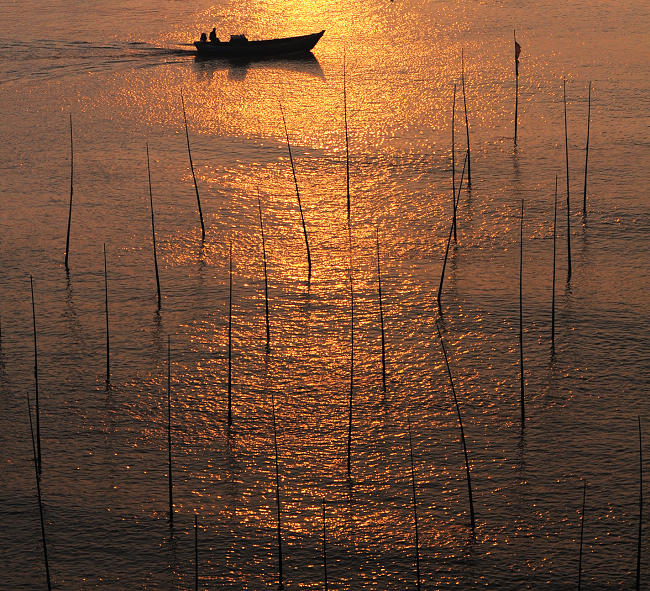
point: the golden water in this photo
(115, 67)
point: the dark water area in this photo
(119, 69)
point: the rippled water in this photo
(119, 69)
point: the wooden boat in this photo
(241, 48)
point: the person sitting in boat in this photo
(204, 38)
(213, 36)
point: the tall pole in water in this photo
(568, 203)
(39, 463)
(169, 431)
(153, 231)
(469, 166)
(108, 334)
(517, 52)
(347, 142)
(189, 153)
(521, 316)
(584, 193)
(67, 239)
(453, 162)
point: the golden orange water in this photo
(118, 69)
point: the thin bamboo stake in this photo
(554, 252)
(169, 432)
(462, 434)
(582, 530)
(324, 548)
(40, 499)
(584, 194)
(568, 205)
(415, 507)
(67, 240)
(351, 377)
(517, 52)
(453, 162)
(189, 153)
(444, 262)
(230, 342)
(277, 494)
(381, 317)
(39, 464)
(153, 231)
(266, 279)
(295, 180)
(108, 335)
(469, 165)
(2, 363)
(521, 316)
(347, 143)
(638, 548)
(196, 553)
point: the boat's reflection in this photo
(237, 68)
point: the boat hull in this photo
(242, 49)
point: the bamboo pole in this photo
(170, 482)
(189, 153)
(638, 548)
(349, 447)
(453, 162)
(462, 434)
(584, 193)
(277, 494)
(295, 180)
(108, 335)
(230, 341)
(415, 507)
(521, 316)
(40, 499)
(381, 317)
(324, 549)
(347, 142)
(196, 553)
(39, 464)
(553, 287)
(469, 160)
(582, 530)
(517, 50)
(153, 231)
(2, 363)
(568, 205)
(67, 239)
(444, 262)
(266, 279)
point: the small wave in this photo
(55, 58)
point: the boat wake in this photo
(54, 59)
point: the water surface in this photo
(119, 69)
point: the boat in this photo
(239, 47)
